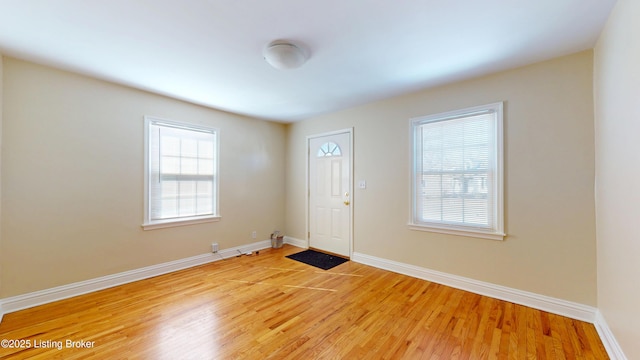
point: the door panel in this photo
(329, 193)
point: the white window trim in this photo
(183, 221)
(460, 232)
(468, 231)
(161, 224)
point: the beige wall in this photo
(617, 99)
(549, 164)
(72, 180)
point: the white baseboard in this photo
(36, 298)
(541, 302)
(296, 242)
(536, 301)
(608, 340)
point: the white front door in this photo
(330, 192)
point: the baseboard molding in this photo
(536, 301)
(541, 302)
(20, 302)
(608, 340)
(296, 242)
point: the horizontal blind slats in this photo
(455, 173)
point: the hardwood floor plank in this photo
(269, 307)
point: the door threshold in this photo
(330, 253)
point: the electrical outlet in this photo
(254, 234)
(214, 248)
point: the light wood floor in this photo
(268, 307)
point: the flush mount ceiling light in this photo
(284, 55)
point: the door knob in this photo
(346, 202)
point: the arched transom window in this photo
(329, 149)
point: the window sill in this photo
(179, 222)
(461, 232)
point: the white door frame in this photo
(308, 188)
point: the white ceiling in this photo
(209, 52)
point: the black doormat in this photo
(318, 259)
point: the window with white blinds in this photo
(458, 172)
(181, 173)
